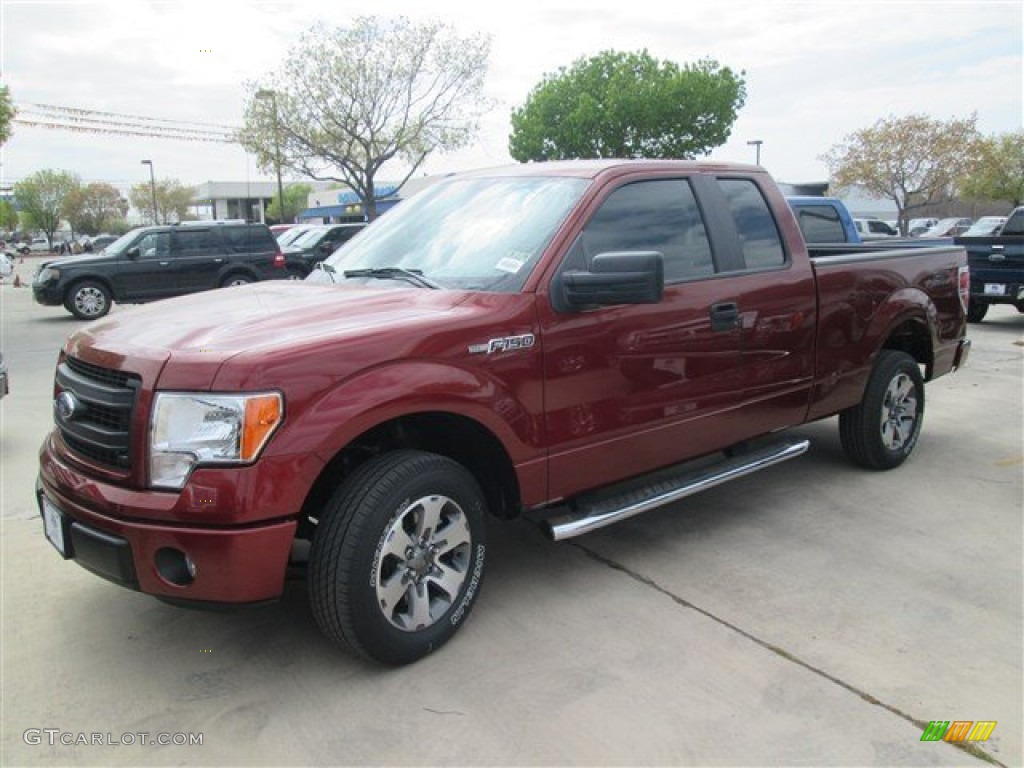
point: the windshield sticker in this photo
(510, 264)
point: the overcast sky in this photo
(815, 71)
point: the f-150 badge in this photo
(503, 344)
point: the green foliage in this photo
(8, 215)
(348, 101)
(173, 201)
(915, 161)
(628, 105)
(999, 171)
(41, 197)
(94, 208)
(295, 197)
(7, 114)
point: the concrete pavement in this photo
(813, 614)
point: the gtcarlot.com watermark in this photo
(55, 736)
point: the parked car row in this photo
(152, 263)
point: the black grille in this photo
(95, 420)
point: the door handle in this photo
(217, 261)
(164, 263)
(725, 316)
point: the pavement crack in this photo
(967, 747)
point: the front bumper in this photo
(243, 564)
(47, 294)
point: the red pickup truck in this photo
(574, 342)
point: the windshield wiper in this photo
(414, 276)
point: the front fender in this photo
(383, 393)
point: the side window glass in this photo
(153, 245)
(820, 224)
(759, 237)
(651, 216)
(191, 242)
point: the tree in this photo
(8, 215)
(915, 161)
(93, 208)
(628, 105)
(295, 197)
(41, 197)
(172, 200)
(7, 114)
(999, 171)
(348, 101)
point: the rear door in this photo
(198, 258)
(775, 294)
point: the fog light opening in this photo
(175, 566)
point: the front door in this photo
(631, 388)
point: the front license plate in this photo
(53, 525)
(995, 289)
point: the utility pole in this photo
(152, 187)
(264, 93)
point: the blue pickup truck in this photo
(997, 267)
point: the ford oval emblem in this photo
(67, 405)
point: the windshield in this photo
(986, 225)
(289, 236)
(308, 237)
(475, 234)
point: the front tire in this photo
(88, 300)
(397, 558)
(881, 432)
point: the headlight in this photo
(46, 274)
(189, 429)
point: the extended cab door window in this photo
(660, 215)
(760, 242)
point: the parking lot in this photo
(812, 614)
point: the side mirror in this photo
(619, 277)
(132, 253)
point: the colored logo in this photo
(958, 730)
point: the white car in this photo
(985, 226)
(873, 229)
(6, 265)
(38, 245)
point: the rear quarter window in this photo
(755, 225)
(820, 224)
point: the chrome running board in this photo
(593, 512)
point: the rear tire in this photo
(976, 311)
(232, 280)
(883, 429)
(398, 556)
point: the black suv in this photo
(157, 262)
(316, 244)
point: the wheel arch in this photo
(456, 436)
(103, 280)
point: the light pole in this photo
(756, 143)
(152, 187)
(264, 93)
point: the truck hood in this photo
(219, 324)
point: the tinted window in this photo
(196, 242)
(653, 216)
(249, 238)
(820, 224)
(153, 245)
(759, 237)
